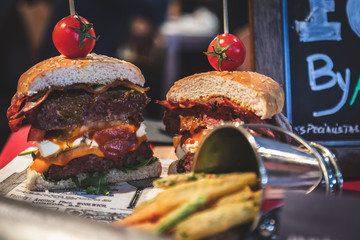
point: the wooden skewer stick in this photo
(225, 16)
(72, 7)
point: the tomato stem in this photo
(220, 52)
(83, 30)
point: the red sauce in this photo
(117, 141)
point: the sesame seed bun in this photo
(60, 71)
(253, 91)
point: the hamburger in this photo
(197, 103)
(85, 115)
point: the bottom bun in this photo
(173, 167)
(34, 180)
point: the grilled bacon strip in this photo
(190, 116)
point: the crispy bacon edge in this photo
(190, 103)
(225, 102)
(16, 116)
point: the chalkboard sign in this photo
(324, 106)
(322, 69)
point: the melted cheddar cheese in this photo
(62, 152)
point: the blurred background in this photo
(164, 38)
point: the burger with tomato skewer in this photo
(197, 103)
(85, 115)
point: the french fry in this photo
(149, 213)
(241, 196)
(175, 179)
(257, 197)
(143, 204)
(215, 220)
(210, 188)
(180, 214)
(168, 200)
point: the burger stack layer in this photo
(85, 115)
(198, 103)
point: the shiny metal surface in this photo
(280, 167)
(334, 176)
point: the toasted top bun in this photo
(252, 91)
(61, 71)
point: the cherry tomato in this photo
(74, 38)
(226, 52)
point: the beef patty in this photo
(64, 110)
